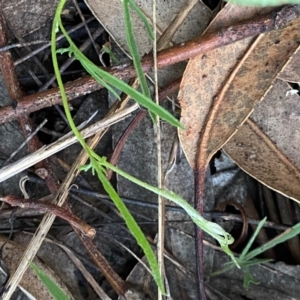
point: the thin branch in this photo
(61, 144)
(20, 45)
(208, 42)
(53, 209)
(25, 142)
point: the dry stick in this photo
(92, 39)
(176, 23)
(53, 209)
(161, 202)
(249, 28)
(20, 45)
(24, 143)
(45, 152)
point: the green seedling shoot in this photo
(248, 259)
(99, 165)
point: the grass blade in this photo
(51, 286)
(143, 18)
(286, 235)
(250, 242)
(121, 85)
(134, 53)
(134, 229)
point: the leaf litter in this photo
(181, 169)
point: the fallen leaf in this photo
(110, 15)
(291, 72)
(205, 75)
(222, 116)
(27, 16)
(267, 146)
(12, 253)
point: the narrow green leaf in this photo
(250, 242)
(213, 229)
(286, 235)
(111, 54)
(248, 278)
(134, 53)
(143, 18)
(133, 50)
(134, 229)
(93, 72)
(122, 86)
(225, 269)
(253, 262)
(51, 286)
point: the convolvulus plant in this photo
(99, 165)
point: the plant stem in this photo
(53, 209)
(208, 42)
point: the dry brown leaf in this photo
(12, 253)
(247, 84)
(198, 91)
(27, 16)
(271, 153)
(110, 15)
(265, 161)
(291, 72)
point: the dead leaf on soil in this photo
(12, 253)
(27, 16)
(267, 146)
(246, 86)
(291, 72)
(255, 153)
(205, 75)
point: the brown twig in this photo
(53, 209)
(279, 18)
(118, 284)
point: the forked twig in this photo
(53, 209)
